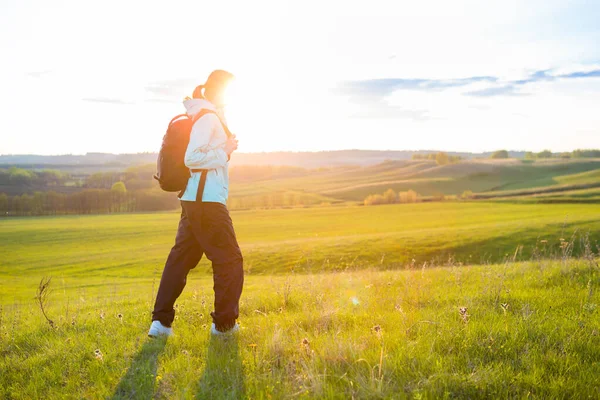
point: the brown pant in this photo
(203, 228)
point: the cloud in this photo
(106, 100)
(379, 88)
(506, 90)
(385, 111)
(173, 89)
(38, 74)
(386, 86)
(583, 74)
(372, 95)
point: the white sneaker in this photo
(214, 331)
(158, 329)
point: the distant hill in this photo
(296, 159)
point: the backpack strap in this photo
(204, 172)
(203, 112)
(177, 117)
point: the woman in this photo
(205, 226)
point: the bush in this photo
(409, 196)
(390, 196)
(374, 200)
(442, 158)
(467, 195)
(500, 154)
(544, 154)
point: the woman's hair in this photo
(217, 81)
(198, 92)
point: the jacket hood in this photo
(194, 106)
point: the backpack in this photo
(172, 174)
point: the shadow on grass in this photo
(223, 376)
(139, 381)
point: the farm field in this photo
(427, 300)
(427, 178)
(260, 187)
(127, 251)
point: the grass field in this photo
(339, 302)
(425, 177)
(129, 250)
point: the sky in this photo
(463, 75)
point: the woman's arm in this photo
(199, 154)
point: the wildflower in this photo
(203, 326)
(252, 345)
(280, 309)
(398, 307)
(201, 315)
(98, 354)
(376, 329)
(120, 316)
(101, 314)
(305, 344)
(464, 314)
(185, 352)
(504, 307)
(543, 241)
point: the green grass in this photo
(329, 275)
(426, 178)
(532, 331)
(583, 177)
(128, 248)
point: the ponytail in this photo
(198, 92)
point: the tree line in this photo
(440, 158)
(545, 154)
(19, 176)
(87, 201)
(391, 197)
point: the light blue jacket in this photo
(206, 151)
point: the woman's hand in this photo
(231, 145)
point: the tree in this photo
(18, 176)
(390, 196)
(409, 196)
(118, 187)
(499, 154)
(374, 199)
(529, 155)
(544, 154)
(586, 153)
(442, 158)
(3, 203)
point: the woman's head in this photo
(214, 88)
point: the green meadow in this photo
(490, 178)
(427, 300)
